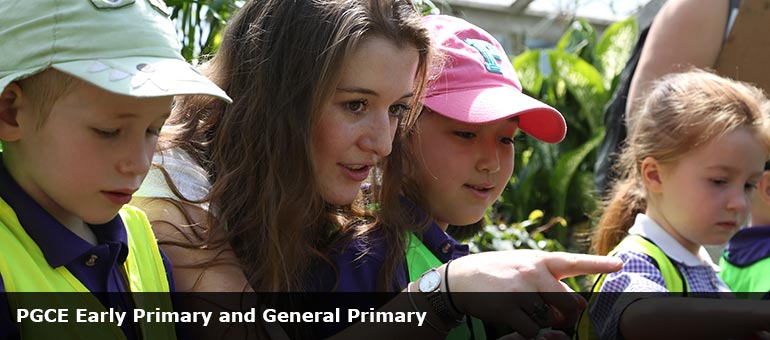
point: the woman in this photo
(321, 89)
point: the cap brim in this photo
(143, 77)
(485, 105)
(16, 75)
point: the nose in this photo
(739, 201)
(488, 157)
(377, 136)
(135, 159)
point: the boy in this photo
(746, 260)
(86, 87)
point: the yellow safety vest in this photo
(25, 270)
(672, 277)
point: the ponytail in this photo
(627, 200)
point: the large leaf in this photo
(527, 66)
(579, 39)
(614, 49)
(583, 81)
(565, 169)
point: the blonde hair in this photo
(683, 112)
(43, 89)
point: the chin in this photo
(468, 220)
(340, 198)
(100, 218)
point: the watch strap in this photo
(439, 301)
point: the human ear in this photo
(10, 104)
(650, 170)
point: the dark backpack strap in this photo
(615, 114)
(615, 122)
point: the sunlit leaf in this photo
(614, 49)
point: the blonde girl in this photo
(693, 159)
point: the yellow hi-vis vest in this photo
(25, 270)
(672, 277)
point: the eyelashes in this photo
(361, 106)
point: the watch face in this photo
(430, 281)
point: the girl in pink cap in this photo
(459, 158)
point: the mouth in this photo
(480, 191)
(120, 197)
(356, 172)
(481, 187)
(727, 225)
(357, 167)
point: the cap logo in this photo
(110, 4)
(492, 57)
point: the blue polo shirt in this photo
(98, 266)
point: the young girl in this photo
(693, 161)
(459, 159)
(462, 146)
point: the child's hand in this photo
(523, 271)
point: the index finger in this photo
(563, 265)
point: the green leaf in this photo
(565, 169)
(614, 49)
(527, 66)
(583, 81)
(426, 7)
(579, 39)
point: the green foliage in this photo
(426, 7)
(577, 78)
(518, 235)
(615, 47)
(200, 24)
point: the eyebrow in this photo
(127, 115)
(730, 169)
(362, 90)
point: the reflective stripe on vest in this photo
(24, 269)
(672, 277)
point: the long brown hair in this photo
(280, 61)
(683, 112)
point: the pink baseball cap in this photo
(477, 83)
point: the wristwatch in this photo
(430, 285)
